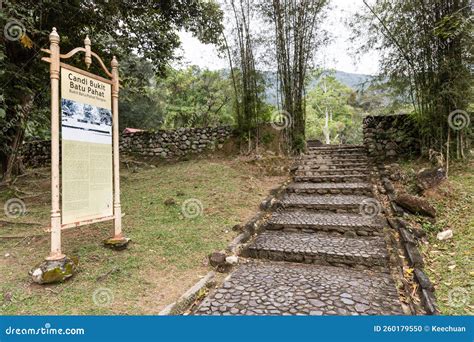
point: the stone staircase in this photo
(320, 253)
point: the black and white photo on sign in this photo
(85, 122)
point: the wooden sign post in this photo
(85, 183)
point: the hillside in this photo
(354, 81)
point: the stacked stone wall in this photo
(174, 143)
(166, 144)
(391, 137)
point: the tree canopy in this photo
(330, 115)
(427, 53)
(148, 29)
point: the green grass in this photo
(168, 251)
(449, 263)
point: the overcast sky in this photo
(337, 55)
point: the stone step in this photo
(333, 203)
(331, 156)
(318, 248)
(337, 164)
(308, 221)
(318, 172)
(314, 143)
(282, 288)
(339, 154)
(330, 188)
(336, 148)
(360, 177)
(325, 166)
(335, 160)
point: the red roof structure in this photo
(132, 130)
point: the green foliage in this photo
(298, 35)
(122, 28)
(141, 102)
(299, 143)
(430, 227)
(382, 97)
(267, 138)
(196, 97)
(427, 54)
(189, 97)
(332, 98)
(242, 49)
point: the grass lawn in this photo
(449, 263)
(168, 253)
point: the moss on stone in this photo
(117, 244)
(54, 271)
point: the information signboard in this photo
(86, 140)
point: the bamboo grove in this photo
(427, 55)
(284, 34)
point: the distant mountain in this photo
(354, 81)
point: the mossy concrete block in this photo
(236, 243)
(423, 279)
(267, 203)
(414, 255)
(117, 244)
(54, 271)
(429, 301)
(407, 236)
(253, 224)
(195, 293)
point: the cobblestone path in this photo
(320, 252)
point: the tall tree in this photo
(247, 80)
(297, 37)
(331, 112)
(146, 28)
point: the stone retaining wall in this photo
(36, 153)
(390, 137)
(174, 143)
(165, 144)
